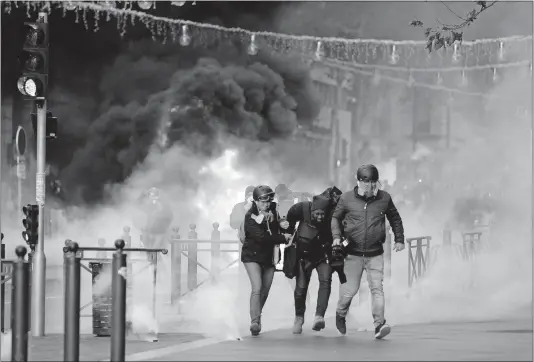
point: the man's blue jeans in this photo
(354, 267)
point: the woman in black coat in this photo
(261, 250)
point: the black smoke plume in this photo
(191, 95)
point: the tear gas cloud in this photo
(203, 126)
(489, 154)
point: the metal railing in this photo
(190, 248)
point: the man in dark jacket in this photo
(364, 209)
(313, 241)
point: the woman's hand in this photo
(288, 237)
(284, 224)
(268, 215)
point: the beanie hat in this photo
(367, 173)
(320, 203)
(248, 190)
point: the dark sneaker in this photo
(318, 323)
(297, 325)
(341, 324)
(255, 328)
(382, 330)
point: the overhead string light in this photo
(456, 54)
(252, 47)
(70, 5)
(319, 51)
(501, 51)
(394, 57)
(185, 38)
(144, 5)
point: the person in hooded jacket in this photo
(261, 250)
(313, 241)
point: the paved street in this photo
(50, 348)
(504, 340)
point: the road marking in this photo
(161, 352)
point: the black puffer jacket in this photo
(258, 246)
(365, 222)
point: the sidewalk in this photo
(486, 341)
(50, 348)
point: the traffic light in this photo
(34, 60)
(31, 224)
(51, 125)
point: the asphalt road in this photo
(488, 341)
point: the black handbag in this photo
(290, 259)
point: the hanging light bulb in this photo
(463, 82)
(185, 38)
(376, 77)
(252, 47)
(501, 51)
(70, 5)
(456, 54)
(411, 80)
(109, 4)
(439, 80)
(394, 58)
(319, 51)
(495, 75)
(144, 5)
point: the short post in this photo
(192, 256)
(3, 286)
(215, 251)
(118, 304)
(126, 236)
(20, 306)
(153, 261)
(176, 265)
(71, 337)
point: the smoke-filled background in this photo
(203, 122)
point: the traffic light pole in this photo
(1, 146)
(39, 259)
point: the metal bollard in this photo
(118, 304)
(3, 287)
(19, 304)
(71, 338)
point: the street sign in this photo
(20, 141)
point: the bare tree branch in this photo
(447, 34)
(448, 8)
